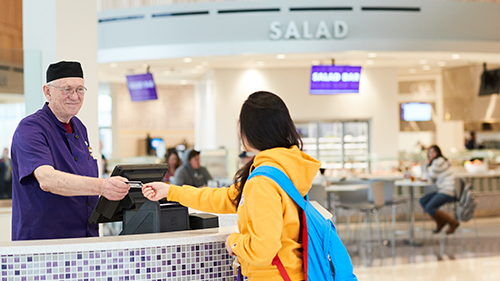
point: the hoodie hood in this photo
(184, 158)
(298, 166)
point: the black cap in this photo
(64, 69)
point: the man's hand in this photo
(114, 188)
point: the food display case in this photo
(338, 144)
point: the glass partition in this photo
(12, 110)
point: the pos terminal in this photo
(140, 215)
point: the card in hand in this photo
(134, 184)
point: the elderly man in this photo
(55, 184)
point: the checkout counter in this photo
(198, 254)
(148, 254)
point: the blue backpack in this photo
(327, 258)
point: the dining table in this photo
(411, 185)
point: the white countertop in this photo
(487, 174)
(413, 183)
(117, 242)
(346, 187)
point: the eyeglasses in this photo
(80, 90)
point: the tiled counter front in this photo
(199, 255)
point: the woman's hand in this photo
(155, 191)
(228, 247)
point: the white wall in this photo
(5, 222)
(376, 101)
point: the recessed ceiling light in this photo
(441, 63)
(426, 67)
(372, 55)
(412, 70)
(183, 82)
(370, 62)
(113, 65)
(455, 56)
(423, 61)
(187, 60)
(280, 56)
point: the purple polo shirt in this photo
(40, 139)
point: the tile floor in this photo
(445, 258)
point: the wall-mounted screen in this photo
(334, 79)
(490, 82)
(141, 87)
(416, 111)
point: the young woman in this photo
(268, 219)
(173, 161)
(439, 172)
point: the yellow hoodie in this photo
(268, 219)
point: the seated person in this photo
(173, 161)
(439, 172)
(191, 172)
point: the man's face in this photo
(64, 106)
(195, 162)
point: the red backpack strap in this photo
(305, 243)
(277, 262)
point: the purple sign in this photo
(333, 79)
(142, 87)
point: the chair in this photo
(461, 185)
(367, 202)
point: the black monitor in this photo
(490, 82)
(139, 215)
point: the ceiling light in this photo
(187, 60)
(280, 56)
(441, 63)
(183, 82)
(455, 56)
(113, 65)
(412, 70)
(369, 62)
(426, 67)
(372, 55)
(423, 61)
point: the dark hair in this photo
(192, 154)
(438, 151)
(265, 123)
(171, 151)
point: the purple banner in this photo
(333, 79)
(142, 87)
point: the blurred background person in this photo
(471, 142)
(174, 162)
(245, 157)
(191, 172)
(5, 176)
(439, 172)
